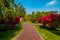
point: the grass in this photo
(4, 35)
(21, 22)
(33, 22)
(48, 34)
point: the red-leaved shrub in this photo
(50, 19)
(40, 19)
(33, 19)
(10, 21)
(17, 20)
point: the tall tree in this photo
(33, 15)
(20, 10)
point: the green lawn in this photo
(48, 34)
(33, 22)
(4, 35)
(22, 22)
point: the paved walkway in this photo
(28, 33)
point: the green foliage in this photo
(48, 34)
(33, 15)
(20, 10)
(9, 35)
(9, 10)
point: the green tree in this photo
(33, 15)
(20, 10)
(8, 9)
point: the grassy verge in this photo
(48, 34)
(4, 35)
(33, 22)
(21, 22)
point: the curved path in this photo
(28, 33)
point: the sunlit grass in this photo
(48, 34)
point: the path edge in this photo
(17, 35)
(39, 34)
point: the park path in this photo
(28, 33)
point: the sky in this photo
(40, 5)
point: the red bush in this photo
(33, 19)
(11, 20)
(17, 20)
(40, 19)
(50, 18)
(45, 19)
